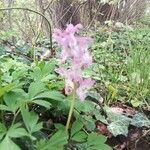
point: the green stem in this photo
(15, 116)
(71, 109)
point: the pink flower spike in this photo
(84, 41)
(85, 85)
(81, 94)
(74, 49)
(87, 60)
(64, 55)
(62, 71)
(78, 27)
(75, 75)
(69, 87)
(71, 29)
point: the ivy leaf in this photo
(119, 123)
(100, 117)
(118, 128)
(140, 120)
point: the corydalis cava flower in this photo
(74, 50)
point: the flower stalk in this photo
(71, 109)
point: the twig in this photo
(48, 5)
(27, 9)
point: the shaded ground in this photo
(137, 139)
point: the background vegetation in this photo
(33, 105)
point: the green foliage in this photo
(31, 121)
(15, 131)
(17, 96)
(6, 88)
(122, 64)
(28, 90)
(95, 142)
(57, 141)
(32, 94)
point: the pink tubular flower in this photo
(85, 85)
(69, 87)
(74, 49)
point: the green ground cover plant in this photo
(122, 64)
(34, 105)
